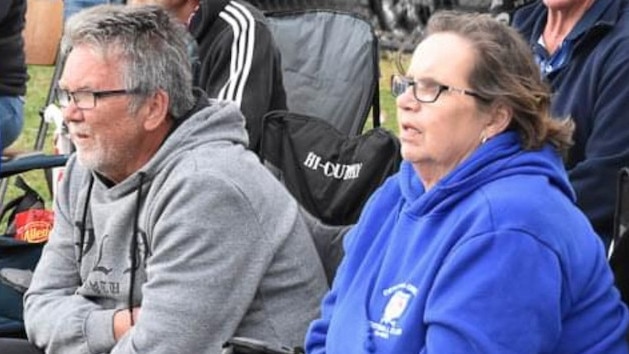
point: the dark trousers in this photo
(17, 346)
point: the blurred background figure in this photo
(70, 7)
(237, 57)
(13, 75)
(582, 47)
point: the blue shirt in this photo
(550, 63)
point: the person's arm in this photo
(4, 9)
(56, 318)
(507, 294)
(495, 295)
(247, 76)
(208, 257)
(606, 149)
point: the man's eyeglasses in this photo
(426, 91)
(86, 99)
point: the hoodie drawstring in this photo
(82, 224)
(134, 246)
(134, 239)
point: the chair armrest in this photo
(31, 161)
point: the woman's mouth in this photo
(407, 131)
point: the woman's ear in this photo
(156, 110)
(501, 116)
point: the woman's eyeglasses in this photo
(425, 91)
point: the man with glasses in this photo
(169, 235)
(582, 47)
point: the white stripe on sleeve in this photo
(243, 25)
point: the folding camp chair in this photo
(330, 65)
(37, 159)
(317, 148)
(619, 248)
(18, 258)
(330, 69)
(29, 162)
(243, 345)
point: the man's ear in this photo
(501, 116)
(156, 110)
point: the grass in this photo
(387, 102)
(37, 92)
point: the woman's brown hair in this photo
(506, 72)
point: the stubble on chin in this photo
(85, 160)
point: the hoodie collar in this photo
(208, 122)
(201, 101)
(500, 157)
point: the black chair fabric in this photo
(330, 66)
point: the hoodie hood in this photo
(208, 122)
(500, 157)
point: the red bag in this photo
(28, 219)
(33, 225)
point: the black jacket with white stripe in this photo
(238, 60)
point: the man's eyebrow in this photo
(63, 86)
(426, 81)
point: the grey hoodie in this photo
(221, 251)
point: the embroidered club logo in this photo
(395, 307)
(399, 299)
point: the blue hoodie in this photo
(495, 258)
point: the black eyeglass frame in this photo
(95, 96)
(440, 88)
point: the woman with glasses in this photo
(476, 245)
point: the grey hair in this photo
(505, 71)
(150, 45)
